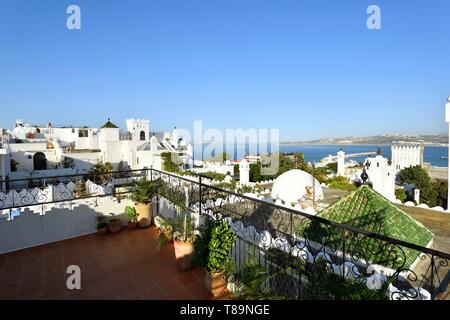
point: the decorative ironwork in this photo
(303, 256)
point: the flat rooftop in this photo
(127, 265)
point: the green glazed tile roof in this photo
(109, 124)
(366, 209)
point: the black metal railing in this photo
(304, 256)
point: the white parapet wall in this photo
(69, 220)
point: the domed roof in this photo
(292, 186)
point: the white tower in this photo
(244, 172)
(175, 137)
(153, 144)
(139, 129)
(341, 163)
(447, 119)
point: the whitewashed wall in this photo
(32, 229)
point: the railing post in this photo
(343, 253)
(151, 174)
(200, 196)
(432, 277)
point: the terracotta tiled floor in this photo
(127, 265)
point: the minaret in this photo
(447, 119)
(341, 163)
(244, 172)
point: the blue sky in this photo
(310, 68)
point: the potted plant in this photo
(221, 240)
(142, 193)
(114, 224)
(184, 235)
(131, 214)
(102, 226)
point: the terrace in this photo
(127, 265)
(130, 265)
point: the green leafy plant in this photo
(252, 281)
(143, 190)
(202, 242)
(101, 172)
(131, 213)
(222, 240)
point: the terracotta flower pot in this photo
(216, 283)
(184, 254)
(103, 230)
(115, 225)
(144, 212)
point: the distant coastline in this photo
(429, 140)
(288, 143)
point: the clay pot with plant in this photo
(142, 193)
(213, 247)
(184, 235)
(114, 224)
(102, 225)
(132, 215)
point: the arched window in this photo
(39, 161)
(142, 134)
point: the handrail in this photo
(432, 252)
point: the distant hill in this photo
(385, 139)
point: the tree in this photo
(441, 188)
(341, 183)
(420, 179)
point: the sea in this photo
(315, 153)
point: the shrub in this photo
(341, 183)
(401, 195)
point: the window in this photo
(142, 135)
(83, 133)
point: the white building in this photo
(381, 174)
(406, 155)
(45, 150)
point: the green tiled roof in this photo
(366, 209)
(109, 124)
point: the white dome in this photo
(291, 186)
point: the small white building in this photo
(404, 155)
(381, 174)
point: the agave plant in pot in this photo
(142, 193)
(184, 235)
(220, 239)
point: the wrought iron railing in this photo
(303, 256)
